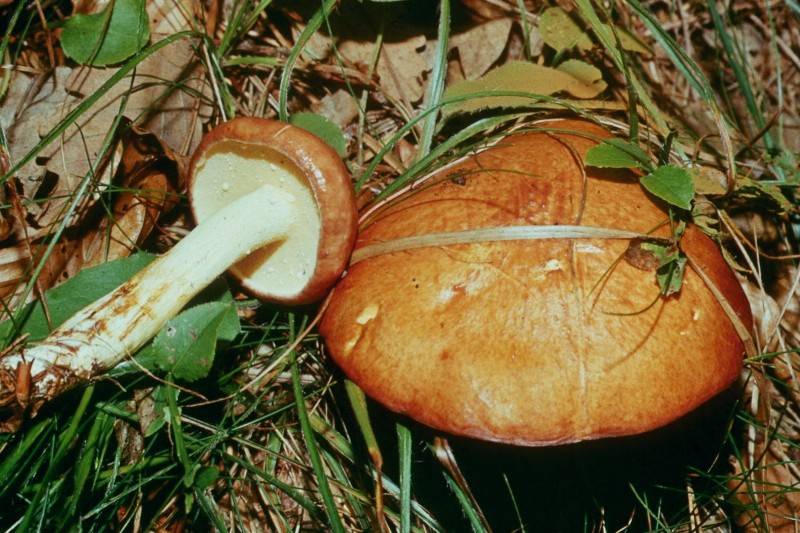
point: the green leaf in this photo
(322, 128)
(522, 77)
(617, 153)
(672, 184)
(230, 326)
(206, 477)
(75, 294)
(186, 345)
(560, 32)
(100, 39)
(671, 266)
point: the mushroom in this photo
(533, 341)
(270, 199)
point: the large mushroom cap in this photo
(520, 341)
(241, 155)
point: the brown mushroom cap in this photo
(237, 157)
(518, 341)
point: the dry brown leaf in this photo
(147, 178)
(765, 313)
(339, 107)
(401, 65)
(480, 46)
(574, 77)
(146, 181)
(32, 108)
(708, 180)
(772, 488)
(155, 103)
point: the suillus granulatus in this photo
(533, 341)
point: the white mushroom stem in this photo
(115, 326)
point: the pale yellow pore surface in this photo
(232, 169)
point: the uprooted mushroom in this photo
(272, 201)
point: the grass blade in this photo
(311, 28)
(308, 436)
(404, 445)
(436, 84)
(26, 450)
(739, 72)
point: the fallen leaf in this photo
(401, 64)
(480, 46)
(765, 314)
(629, 41)
(708, 180)
(339, 107)
(582, 71)
(751, 189)
(160, 100)
(144, 188)
(32, 108)
(617, 153)
(519, 76)
(560, 32)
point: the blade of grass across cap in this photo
(404, 446)
(331, 509)
(436, 80)
(314, 24)
(502, 233)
